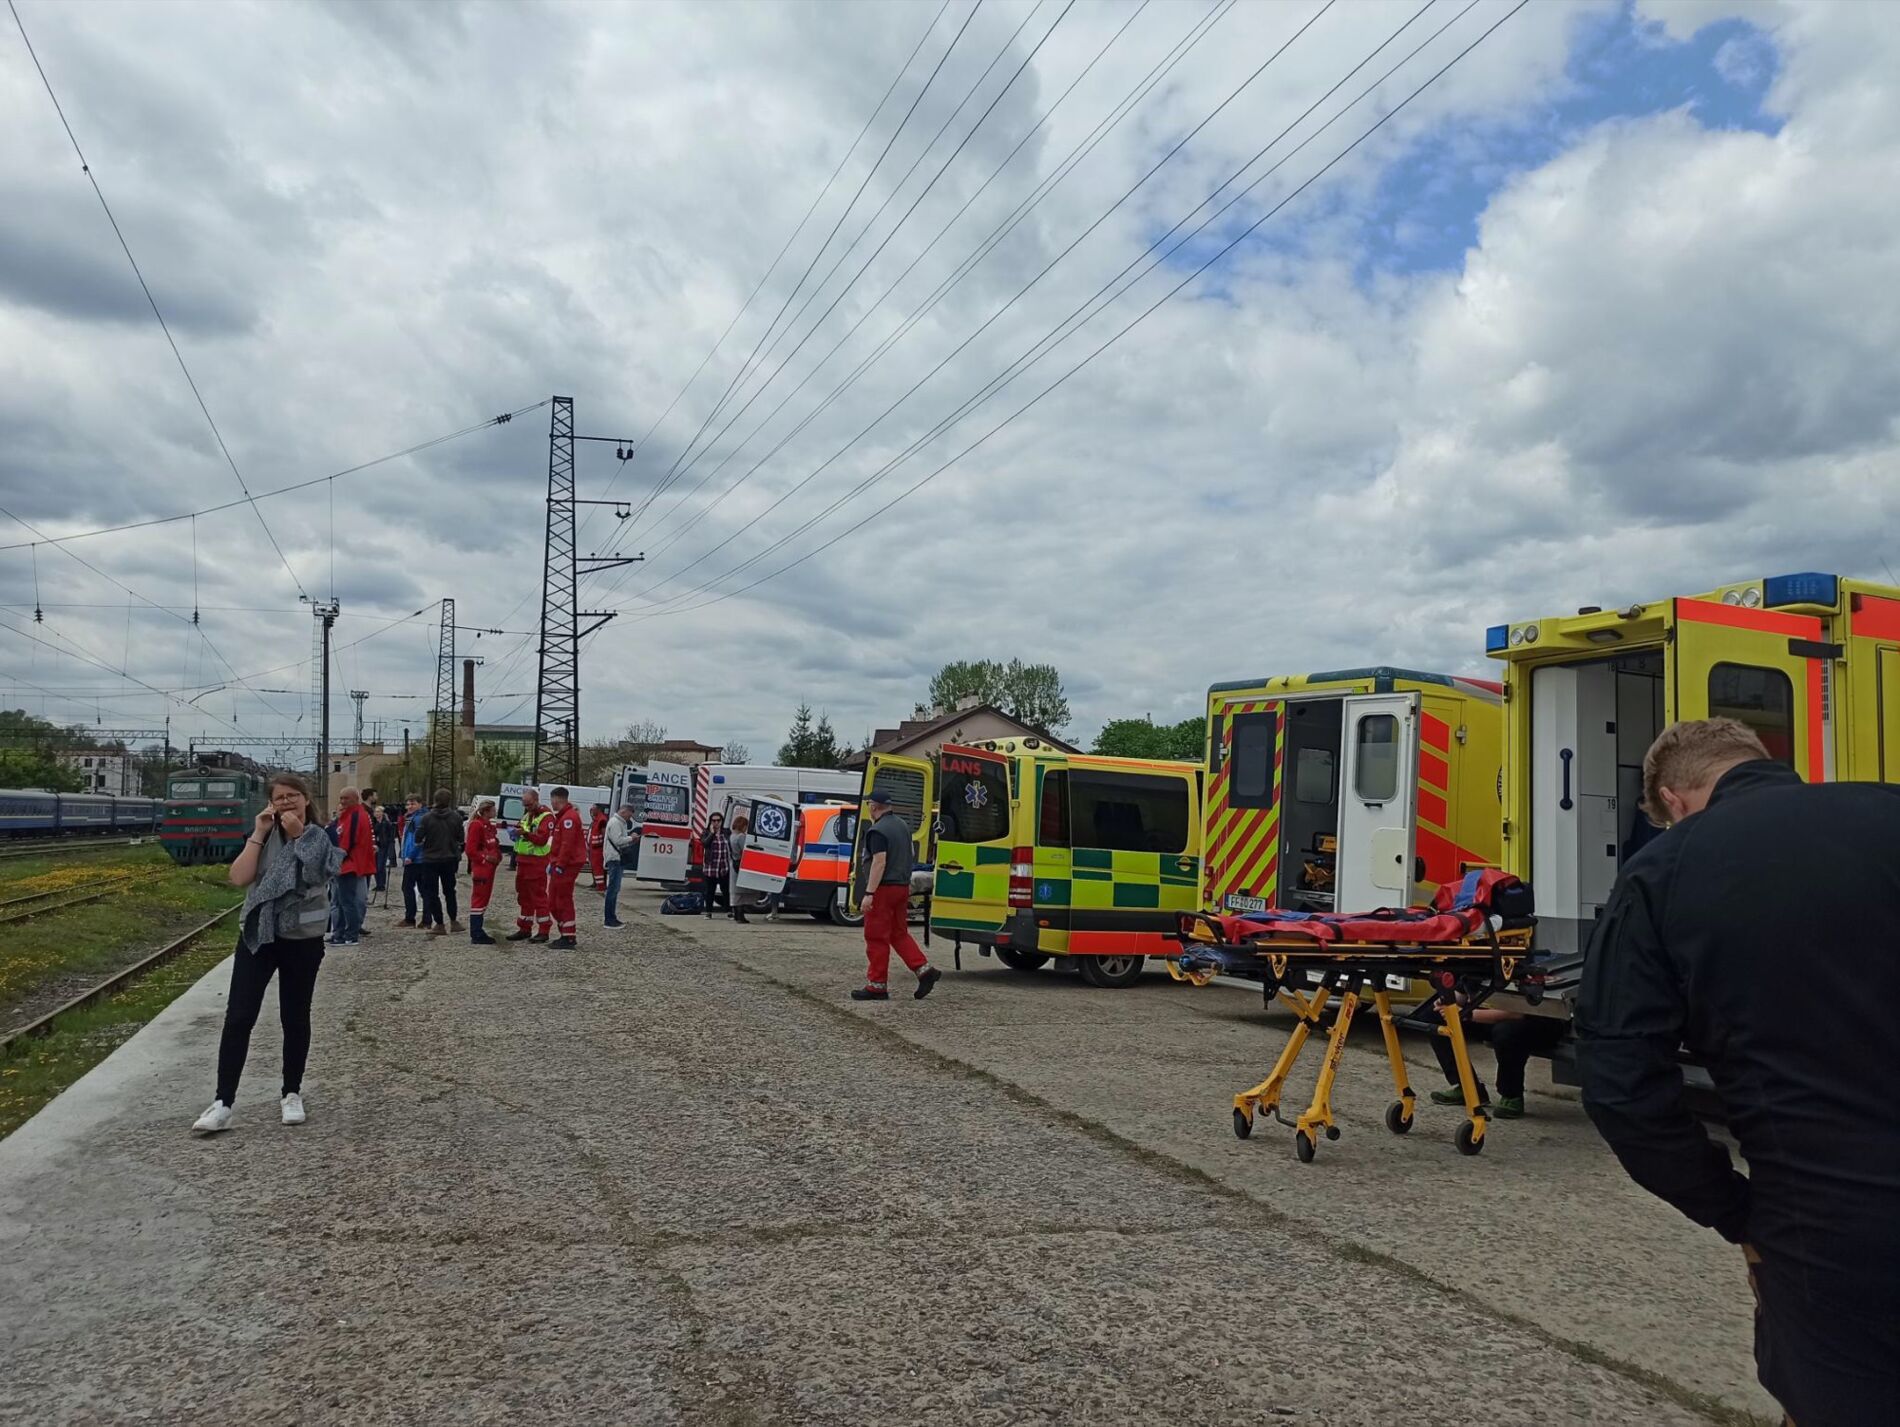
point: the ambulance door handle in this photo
(1565, 801)
(951, 867)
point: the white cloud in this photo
(378, 224)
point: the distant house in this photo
(102, 772)
(685, 750)
(971, 723)
(508, 735)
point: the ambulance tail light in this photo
(1022, 881)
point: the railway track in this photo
(33, 904)
(68, 844)
(44, 1024)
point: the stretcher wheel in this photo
(1466, 1140)
(1396, 1120)
(1243, 1125)
(1332, 1132)
(1303, 1147)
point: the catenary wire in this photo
(1244, 234)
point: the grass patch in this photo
(155, 901)
(34, 1070)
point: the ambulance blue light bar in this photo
(1497, 637)
(1806, 588)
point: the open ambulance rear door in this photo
(1767, 667)
(767, 859)
(913, 786)
(1378, 797)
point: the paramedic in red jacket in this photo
(567, 854)
(533, 831)
(483, 846)
(356, 835)
(597, 847)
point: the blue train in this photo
(30, 812)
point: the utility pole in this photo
(442, 720)
(557, 711)
(356, 697)
(325, 613)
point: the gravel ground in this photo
(677, 1176)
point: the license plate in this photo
(1234, 902)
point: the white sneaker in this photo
(293, 1110)
(218, 1117)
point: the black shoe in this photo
(926, 979)
(539, 938)
(563, 943)
(865, 993)
(517, 936)
(483, 940)
(613, 924)
(739, 917)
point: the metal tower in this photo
(356, 697)
(557, 708)
(442, 718)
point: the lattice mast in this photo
(442, 718)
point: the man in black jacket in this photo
(1762, 930)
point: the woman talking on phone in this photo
(286, 866)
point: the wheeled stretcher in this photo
(1464, 954)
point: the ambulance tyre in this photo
(1017, 960)
(1303, 1147)
(839, 914)
(1110, 973)
(1466, 1142)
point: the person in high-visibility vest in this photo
(567, 856)
(534, 830)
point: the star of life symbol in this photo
(773, 823)
(975, 794)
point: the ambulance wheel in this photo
(1396, 1120)
(1303, 1147)
(1243, 1125)
(840, 914)
(1110, 973)
(1467, 1143)
(1017, 960)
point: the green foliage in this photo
(1144, 738)
(808, 744)
(1030, 693)
(30, 768)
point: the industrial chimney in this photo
(468, 693)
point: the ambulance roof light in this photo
(1805, 588)
(1497, 637)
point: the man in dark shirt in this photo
(888, 857)
(1761, 931)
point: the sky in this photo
(1167, 343)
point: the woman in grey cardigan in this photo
(286, 866)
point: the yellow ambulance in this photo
(1349, 790)
(1042, 854)
(1811, 662)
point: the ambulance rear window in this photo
(1250, 782)
(974, 803)
(1761, 698)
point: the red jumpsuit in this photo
(483, 847)
(531, 871)
(566, 856)
(597, 850)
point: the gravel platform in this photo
(677, 1177)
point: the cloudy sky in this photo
(1609, 310)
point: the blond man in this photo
(1758, 931)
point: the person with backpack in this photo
(286, 867)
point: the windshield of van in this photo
(665, 802)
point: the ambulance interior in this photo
(1591, 723)
(1309, 810)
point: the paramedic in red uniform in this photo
(597, 847)
(483, 846)
(888, 857)
(534, 829)
(566, 856)
(1760, 930)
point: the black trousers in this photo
(718, 892)
(1513, 1042)
(1829, 1352)
(295, 964)
(437, 880)
(411, 884)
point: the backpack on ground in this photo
(683, 904)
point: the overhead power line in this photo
(144, 287)
(1115, 337)
(502, 420)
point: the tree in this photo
(808, 744)
(600, 761)
(735, 752)
(1028, 693)
(32, 768)
(1144, 738)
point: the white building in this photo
(113, 773)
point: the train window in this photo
(220, 788)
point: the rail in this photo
(70, 844)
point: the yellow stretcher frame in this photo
(1347, 968)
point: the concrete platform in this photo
(678, 1177)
